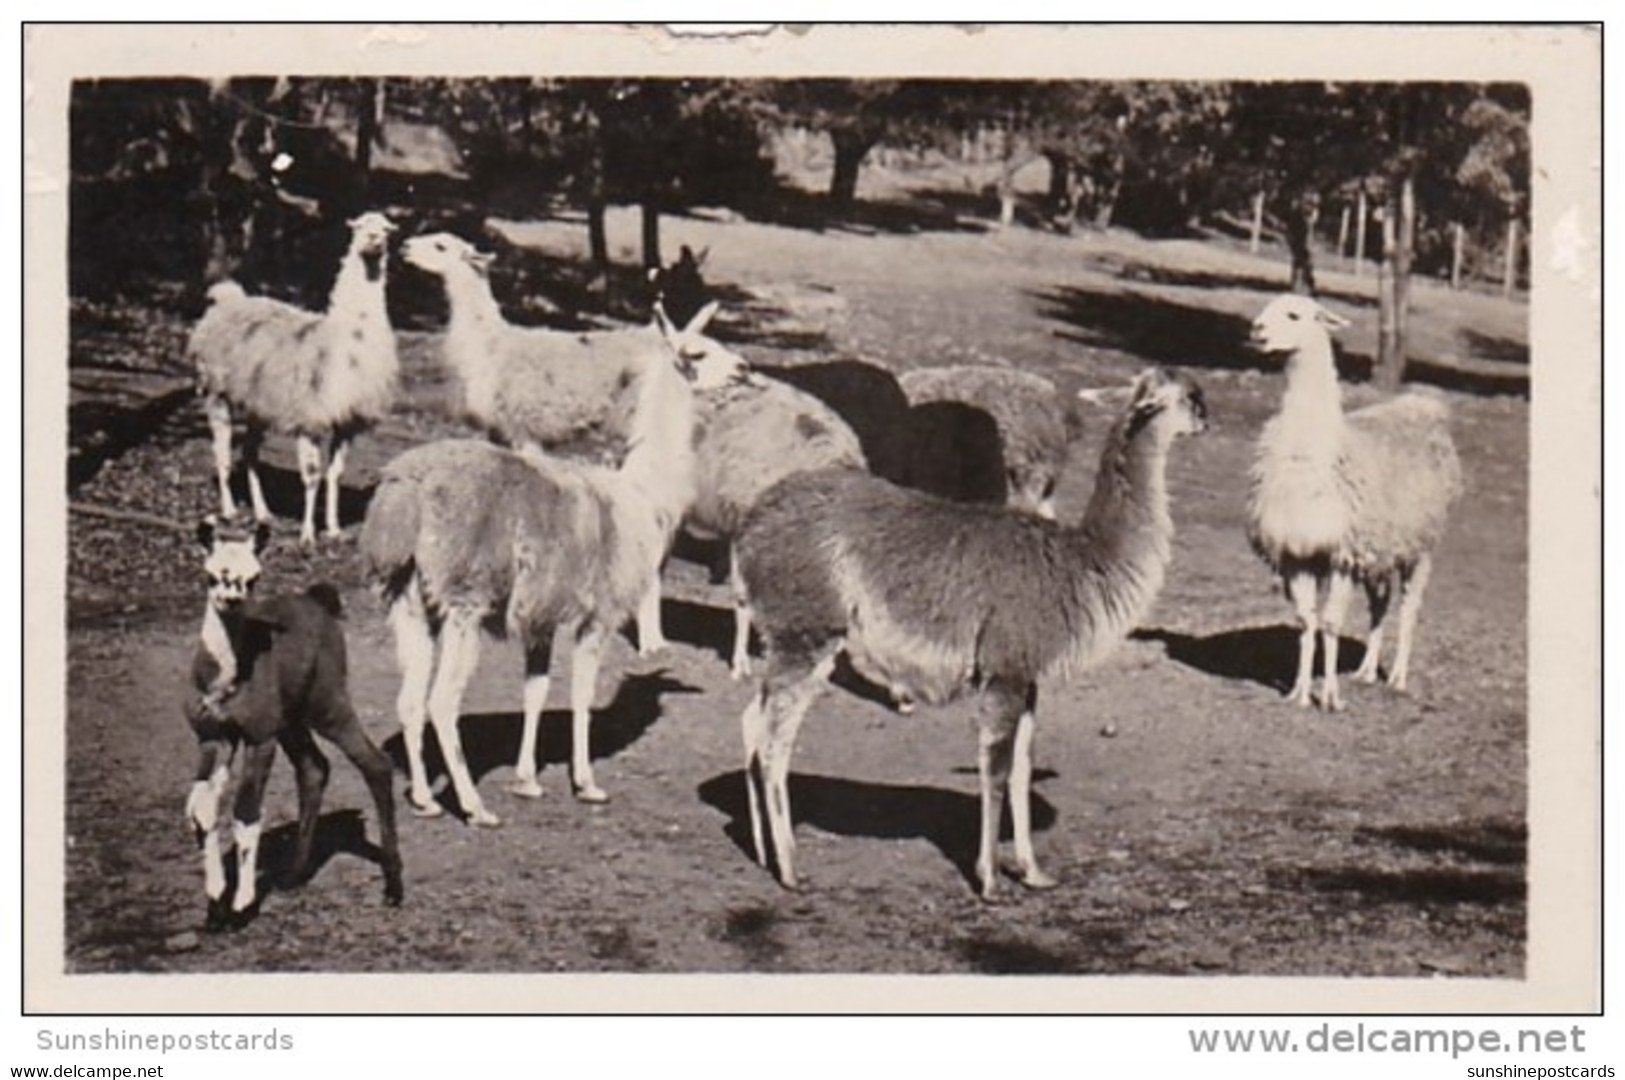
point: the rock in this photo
(183, 942)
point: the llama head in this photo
(445, 253)
(705, 362)
(1172, 400)
(230, 562)
(1291, 322)
(369, 239)
(370, 232)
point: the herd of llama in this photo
(929, 595)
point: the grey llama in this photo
(937, 598)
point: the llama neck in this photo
(1125, 538)
(660, 450)
(218, 638)
(359, 288)
(474, 312)
(1312, 404)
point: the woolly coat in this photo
(748, 438)
(935, 597)
(299, 372)
(1368, 496)
(511, 537)
(1036, 428)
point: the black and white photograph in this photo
(855, 501)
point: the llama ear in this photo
(699, 321)
(480, 260)
(205, 533)
(1331, 320)
(699, 260)
(667, 330)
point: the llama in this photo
(747, 440)
(465, 535)
(267, 673)
(313, 376)
(537, 389)
(1036, 428)
(938, 597)
(1343, 499)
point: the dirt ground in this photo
(1199, 823)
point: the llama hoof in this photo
(739, 672)
(1300, 695)
(591, 793)
(1396, 682)
(430, 809)
(904, 706)
(394, 893)
(653, 648)
(1366, 677)
(218, 917)
(1037, 880)
(525, 787)
(481, 818)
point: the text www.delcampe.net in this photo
(1362, 1038)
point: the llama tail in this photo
(327, 597)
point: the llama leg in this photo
(414, 651)
(311, 770)
(338, 450)
(1021, 793)
(1377, 595)
(753, 728)
(245, 823)
(787, 698)
(538, 656)
(739, 666)
(253, 442)
(1303, 590)
(584, 661)
(203, 810)
(310, 472)
(651, 635)
(218, 412)
(347, 734)
(995, 752)
(1338, 593)
(459, 656)
(1410, 605)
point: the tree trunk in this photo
(1509, 273)
(1360, 210)
(651, 232)
(1300, 227)
(1257, 235)
(1458, 246)
(598, 243)
(850, 150)
(1386, 373)
(1394, 284)
(1406, 228)
(367, 136)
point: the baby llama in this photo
(314, 376)
(937, 598)
(271, 672)
(1342, 499)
